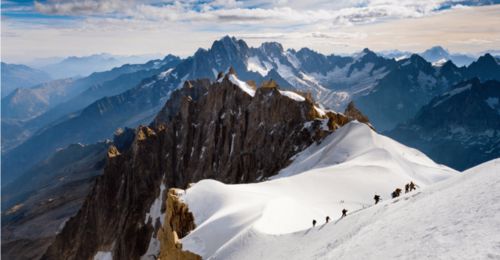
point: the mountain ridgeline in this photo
(226, 130)
(460, 127)
(16, 76)
(192, 121)
(390, 92)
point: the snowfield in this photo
(456, 218)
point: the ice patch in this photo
(243, 85)
(401, 58)
(320, 111)
(452, 93)
(155, 209)
(103, 255)
(155, 214)
(406, 63)
(255, 65)
(292, 95)
(165, 74)
(153, 250)
(439, 63)
(232, 144)
(293, 60)
(492, 102)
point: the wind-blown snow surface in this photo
(272, 219)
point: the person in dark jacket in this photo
(314, 222)
(327, 219)
(412, 186)
(396, 193)
(376, 198)
(344, 212)
(407, 188)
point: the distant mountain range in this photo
(413, 83)
(83, 66)
(204, 117)
(39, 106)
(20, 76)
(433, 55)
(460, 128)
(389, 92)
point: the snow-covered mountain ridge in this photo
(272, 219)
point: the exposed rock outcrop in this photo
(219, 131)
(353, 113)
(178, 223)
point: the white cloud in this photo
(233, 11)
(82, 7)
(180, 26)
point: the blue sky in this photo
(35, 29)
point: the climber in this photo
(376, 198)
(407, 188)
(344, 212)
(413, 186)
(396, 193)
(314, 222)
(327, 219)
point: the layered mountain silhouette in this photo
(389, 92)
(233, 113)
(20, 76)
(460, 128)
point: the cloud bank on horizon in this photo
(81, 27)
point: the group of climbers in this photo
(396, 193)
(344, 213)
(408, 187)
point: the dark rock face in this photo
(460, 128)
(485, 68)
(216, 131)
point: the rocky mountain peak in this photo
(269, 84)
(437, 51)
(449, 65)
(486, 60)
(204, 130)
(229, 44)
(272, 48)
(486, 68)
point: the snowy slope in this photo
(456, 219)
(271, 220)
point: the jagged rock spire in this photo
(220, 75)
(353, 113)
(269, 84)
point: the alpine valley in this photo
(231, 152)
